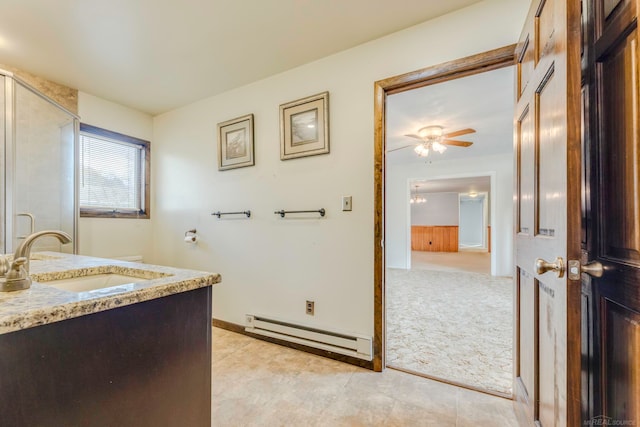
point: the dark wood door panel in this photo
(611, 18)
(620, 151)
(621, 368)
(611, 321)
(609, 6)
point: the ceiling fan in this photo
(434, 138)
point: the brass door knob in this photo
(594, 269)
(543, 266)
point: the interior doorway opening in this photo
(452, 214)
(448, 317)
(416, 309)
(474, 222)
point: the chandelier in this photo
(416, 198)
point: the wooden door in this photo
(611, 302)
(547, 207)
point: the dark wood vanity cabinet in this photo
(146, 364)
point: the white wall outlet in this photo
(310, 307)
(346, 203)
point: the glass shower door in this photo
(40, 180)
(3, 109)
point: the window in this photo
(114, 174)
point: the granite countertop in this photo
(42, 304)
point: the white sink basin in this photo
(96, 281)
(107, 278)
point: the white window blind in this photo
(111, 174)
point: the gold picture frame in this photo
(235, 143)
(304, 127)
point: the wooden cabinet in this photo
(145, 365)
(438, 238)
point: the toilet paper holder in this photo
(190, 235)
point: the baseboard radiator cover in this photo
(358, 346)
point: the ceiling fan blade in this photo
(456, 143)
(413, 135)
(459, 132)
(401, 148)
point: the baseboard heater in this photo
(350, 345)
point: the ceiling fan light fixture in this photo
(438, 147)
(431, 133)
(434, 138)
(422, 150)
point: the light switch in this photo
(346, 203)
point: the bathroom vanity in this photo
(97, 342)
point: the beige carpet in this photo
(452, 325)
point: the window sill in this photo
(109, 213)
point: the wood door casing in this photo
(611, 304)
(547, 215)
(479, 63)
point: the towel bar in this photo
(282, 212)
(219, 214)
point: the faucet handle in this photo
(17, 278)
(4, 265)
(17, 271)
(18, 262)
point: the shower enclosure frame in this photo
(8, 178)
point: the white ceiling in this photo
(158, 55)
(483, 102)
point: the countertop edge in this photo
(30, 308)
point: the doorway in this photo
(495, 162)
(440, 310)
(457, 209)
(473, 220)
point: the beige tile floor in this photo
(256, 383)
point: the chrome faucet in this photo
(14, 276)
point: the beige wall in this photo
(107, 237)
(268, 265)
